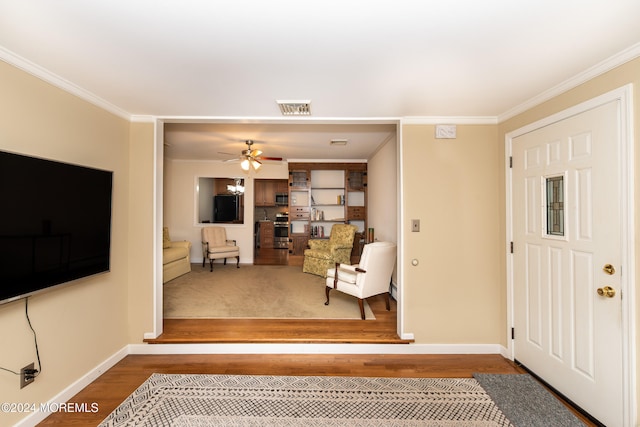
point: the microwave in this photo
(282, 199)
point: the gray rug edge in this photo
(525, 402)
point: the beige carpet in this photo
(255, 291)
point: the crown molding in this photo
(142, 119)
(57, 81)
(451, 120)
(608, 64)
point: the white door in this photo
(566, 232)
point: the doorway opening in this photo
(225, 130)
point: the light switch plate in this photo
(446, 131)
(415, 225)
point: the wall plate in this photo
(446, 131)
(26, 379)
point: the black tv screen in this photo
(55, 224)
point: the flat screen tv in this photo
(55, 224)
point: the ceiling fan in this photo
(250, 158)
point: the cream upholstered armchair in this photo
(372, 276)
(216, 246)
(323, 254)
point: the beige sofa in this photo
(175, 257)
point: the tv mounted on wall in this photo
(55, 224)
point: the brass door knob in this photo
(607, 291)
(608, 268)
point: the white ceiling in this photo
(291, 141)
(233, 59)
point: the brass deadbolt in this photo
(608, 268)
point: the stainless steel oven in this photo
(281, 231)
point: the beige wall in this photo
(141, 230)
(382, 184)
(620, 76)
(82, 324)
(455, 294)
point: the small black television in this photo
(55, 224)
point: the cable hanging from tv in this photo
(34, 372)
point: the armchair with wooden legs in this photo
(216, 246)
(323, 254)
(372, 276)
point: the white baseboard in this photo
(317, 349)
(36, 417)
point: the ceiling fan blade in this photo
(255, 153)
(270, 158)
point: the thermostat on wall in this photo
(446, 131)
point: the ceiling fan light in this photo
(256, 164)
(244, 164)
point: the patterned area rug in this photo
(247, 400)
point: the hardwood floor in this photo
(270, 256)
(382, 330)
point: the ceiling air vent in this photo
(338, 142)
(295, 108)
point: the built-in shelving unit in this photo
(327, 201)
(323, 194)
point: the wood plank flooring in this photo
(270, 256)
(109, 390)
(382, 330)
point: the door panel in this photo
(566, 226)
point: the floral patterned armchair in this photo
(324, 254)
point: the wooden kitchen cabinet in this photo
(298, 213)
(298, 243)
(266, 234)
(356, 212)
(299, 178)
(282, 186)
(265, 192)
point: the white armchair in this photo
(216, 246)
(372, 276)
